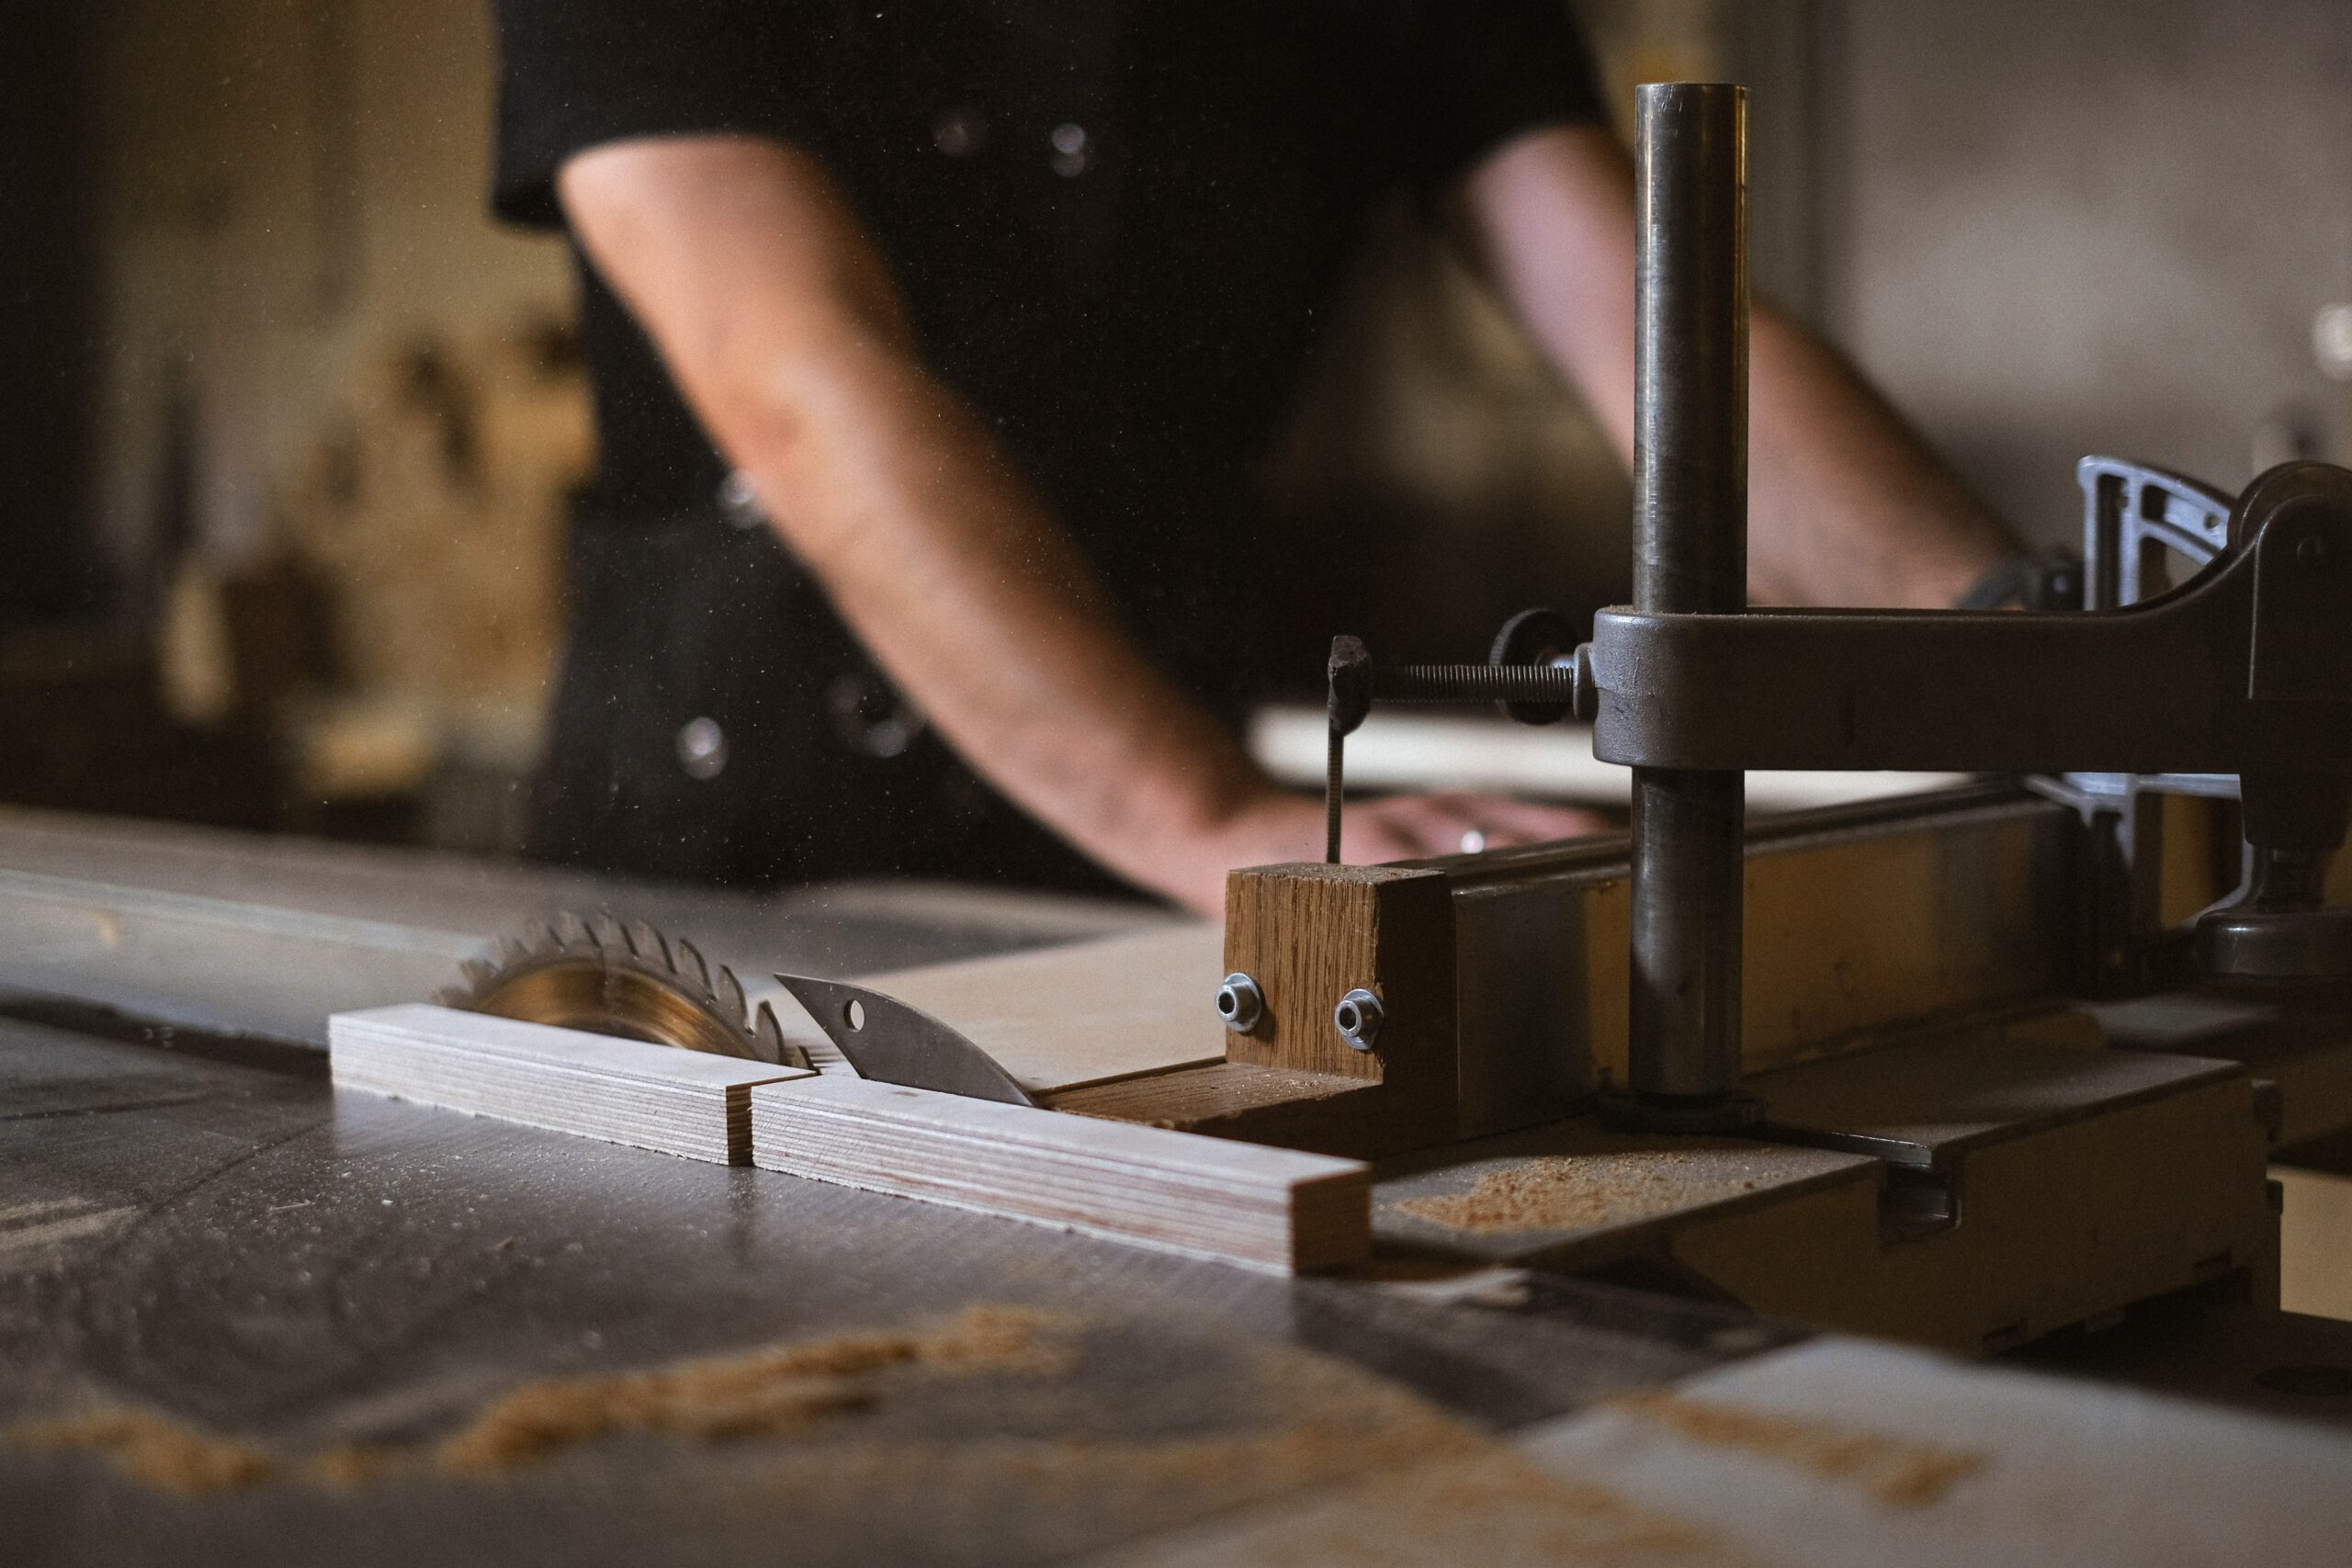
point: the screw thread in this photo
(1475, 682)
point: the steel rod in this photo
(1690, 555)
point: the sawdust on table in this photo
(1315, 1421)
(154, 1449)
(1411, 1478)
(771, 1389)
(1896, 1470)
(1354, 1470)
(1610, 1185)
(750, 1393)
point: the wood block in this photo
(1272, 1208)
(1316, 1111)
(622, 1091)
(1310, 933)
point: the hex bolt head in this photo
(1357, 1018)
(1239, 1003)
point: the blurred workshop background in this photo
(289, 423)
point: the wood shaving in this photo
(348, 1466)
(1358, 1471)
(1896, 1470)
(156, 1450)
(1317, 1421)
(760, 1392)
(1585, 1191)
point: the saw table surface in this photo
(201, 1236)
(209, 1234)
(245, 1319)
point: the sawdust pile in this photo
(1585, 1191)
(345, 1466)
(1895, 1471)
(764, 1392)
(156, 1450)
(754, 1394)
(1360, 1469)
(1315, 1422)
(1388, 1475)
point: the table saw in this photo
(1880, 1179)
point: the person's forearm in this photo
(781, 326)
(1846, 506)
(982, 610)
(788, 338)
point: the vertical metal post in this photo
(1689, 555)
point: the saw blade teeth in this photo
(769, 1035)
(731, 996)
(689, 966)
(597, 969)
(647, 944)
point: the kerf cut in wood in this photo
(622, 1091)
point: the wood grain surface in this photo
(622, 1091)
(1270, 1208)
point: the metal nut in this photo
(1241, 1003)
(1358, 1018)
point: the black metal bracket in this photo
(2247, 669)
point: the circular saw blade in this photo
(626, 980)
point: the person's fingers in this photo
(1531, 822)
(1422, 827)
(1368, 839)
(1459, 824)
(1400, 827)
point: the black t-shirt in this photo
(1115, 223)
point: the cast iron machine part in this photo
(1690, 558)
(2242, 675)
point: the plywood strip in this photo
(623, 1091)
(1272, 1208)
(1085, 1014)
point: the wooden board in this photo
(1239, 1203)
(1310, 933)
(2314, 1241)
(1972, 1193)
(1318, 1111)
(1085, 1013)
(622, 1091)
(1504, 974)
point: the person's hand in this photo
(1279, 826)
(1417, 826)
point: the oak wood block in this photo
(1308, 935)
(1321, 1112)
